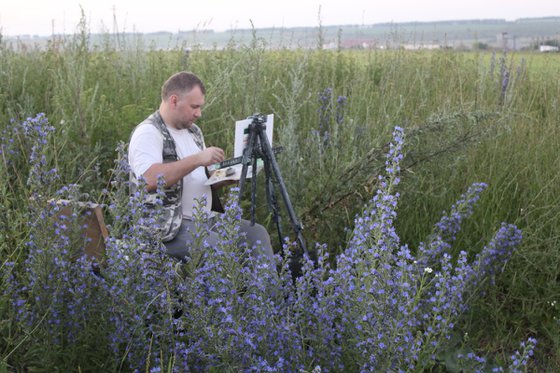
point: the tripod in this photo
(259, 147)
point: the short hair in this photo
(181, 82)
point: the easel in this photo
(258, 147)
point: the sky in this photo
(44, 17)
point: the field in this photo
(467, 118)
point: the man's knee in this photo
(257, 233)
(183, 244)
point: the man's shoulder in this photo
(147, 126)
(146, 130)
(151, 119)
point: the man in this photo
(169, 146)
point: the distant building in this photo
(350, 44)
(548, 48)
(502, 40)
(422, 46)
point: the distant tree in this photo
(480, 46)
(551, 43)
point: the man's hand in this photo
(211, 155)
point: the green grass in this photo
(462, 128)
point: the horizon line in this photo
(380, 24)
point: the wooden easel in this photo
(92, 225)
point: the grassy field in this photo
(467, 117)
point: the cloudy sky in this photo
(43, 17)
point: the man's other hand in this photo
(211, 155)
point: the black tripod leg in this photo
(247, 156)
(267, 150)
(271, 198)
(254, 189)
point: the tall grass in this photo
(469, 117)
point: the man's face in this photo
(187, 107)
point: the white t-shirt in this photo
(145, 149)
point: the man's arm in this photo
(145, 157)
(172, 172)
